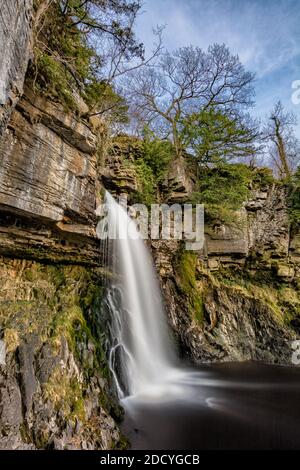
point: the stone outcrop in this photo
(48, 163)
(261, 228)
(55, 388)
(239, 299)
(239, 314)
(117, 173)
(179, 181)
(15, 34)
(48, 183)
(54, 391)
(294, 248)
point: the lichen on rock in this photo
(55, 383)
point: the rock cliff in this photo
(55, 385)
(15, 35)
(48, 183)
(236, 299)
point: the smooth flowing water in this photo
(142, 357)
(171, 406)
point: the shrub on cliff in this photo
(294, 198)
(214, 137)
(223, 189)
(76, 42)
(152, 165)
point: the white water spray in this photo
(142, 356)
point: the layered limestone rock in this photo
(15, 34)
(261, 228)
(55, 386)
(48, 163)
(179, 181)
(117, 172)
(233, 314)
(239, 297)
(48, 183)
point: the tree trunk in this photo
(281, 150)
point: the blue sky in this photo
(265, 34)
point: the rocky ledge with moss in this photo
(237, 299)
(54, 386)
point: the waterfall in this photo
(141, 354)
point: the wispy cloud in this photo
(265, 34)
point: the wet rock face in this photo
(44, 171)
(15, 33)
(262, 229)
(54, 390)
(237, 317)
(48, 184)
(240, 328)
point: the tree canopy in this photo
(214, 137)
(187, 81)
(284, 148)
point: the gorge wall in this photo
(237, 299)
(55, 386)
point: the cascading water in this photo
(142, 354)
(168, 406)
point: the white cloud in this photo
(265, 34)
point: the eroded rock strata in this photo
(236, 299)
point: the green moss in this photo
(224, 188)
(193, 290)
(264, 285)
(65, 324)
(233, 184)
(148, 160)
(294, 198)
(122, 444)
(59, 303)
(66, 394)
(24, 433)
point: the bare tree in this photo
(86, 45)
(186, 81)
(284, 148)
(117, 64)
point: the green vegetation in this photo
(57, 303)
(151, 166)
(263, 284)
(214, 137)
(62, 56)
(66, 394)
(223, 190)
(191, 289)
(145, 159)
(294, 198)
(68, 59)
